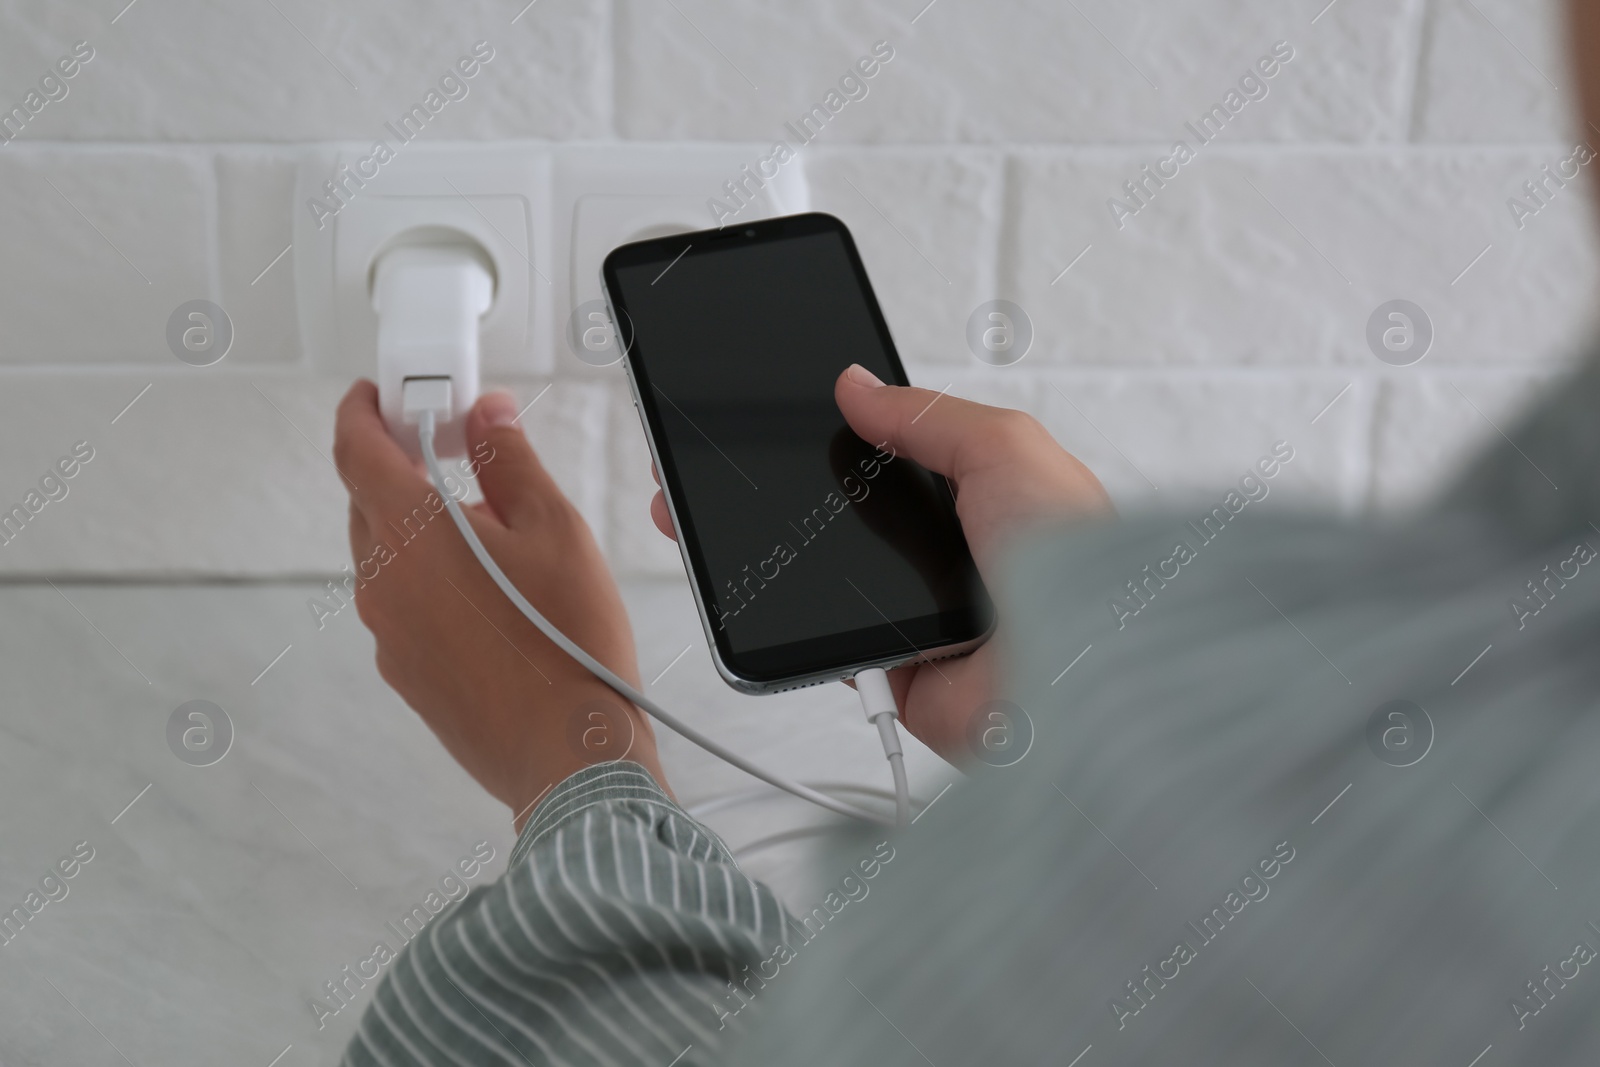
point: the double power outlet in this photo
(545, 214)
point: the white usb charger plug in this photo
(430, 297)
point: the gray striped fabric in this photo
(611, 939)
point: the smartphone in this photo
(812, 553)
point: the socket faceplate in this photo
(547, 215)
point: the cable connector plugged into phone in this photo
(877, 701)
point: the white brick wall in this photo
(1224, 315)
(1228, 314)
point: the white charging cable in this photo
(423, 401)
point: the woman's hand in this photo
(515, 711)
(1008, 473)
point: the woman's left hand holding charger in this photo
(515, 711)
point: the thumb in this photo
(945, 434)
(515, 484)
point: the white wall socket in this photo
(497, 195)
(546, 214)
(605, 196)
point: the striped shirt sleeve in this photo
(612, 938)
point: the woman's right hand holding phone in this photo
(1008, 474)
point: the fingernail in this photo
(861, 375)
(498, 409)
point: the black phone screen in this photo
(813, 549)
